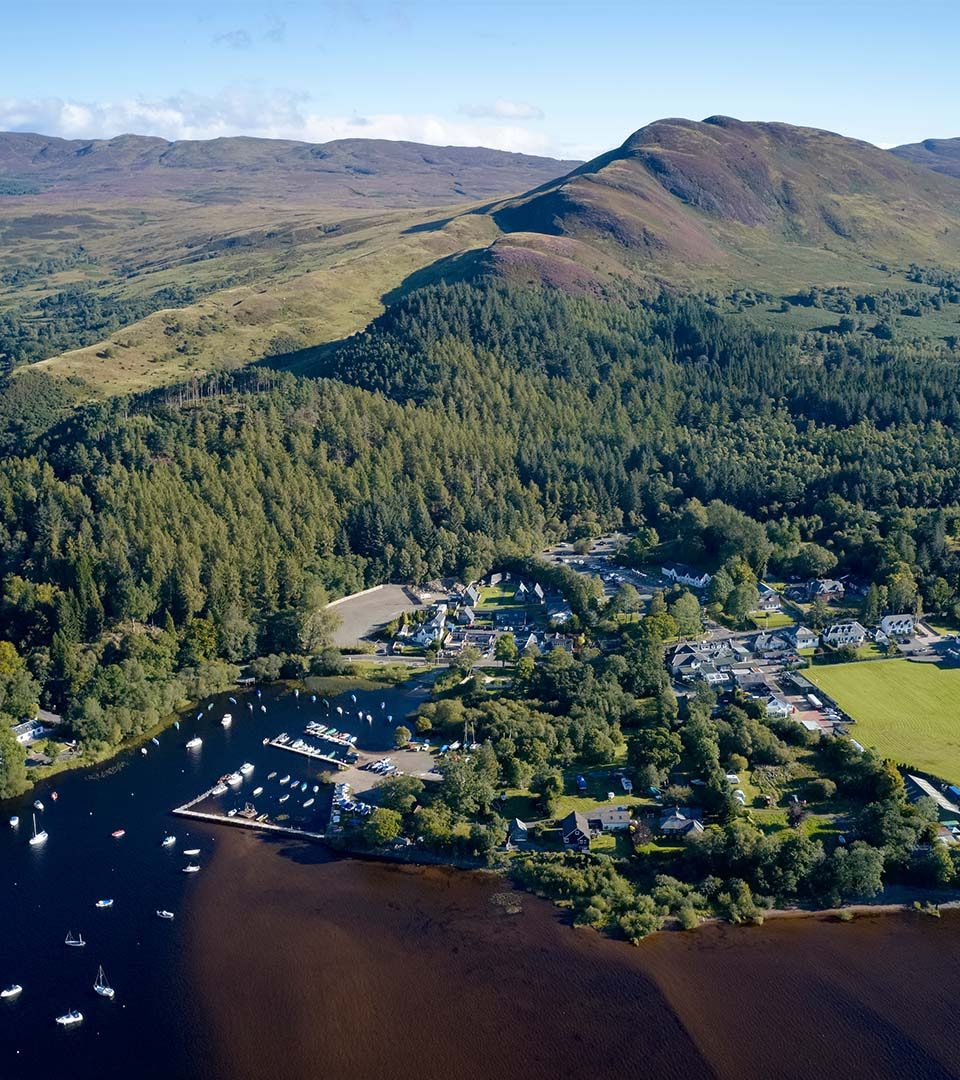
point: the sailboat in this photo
(164, 914)
(11, 992)
(102, 987)
(70, 1018)
(38, 837)
(76, 942)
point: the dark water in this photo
(46, 891)
(287, 963)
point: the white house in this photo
(686, 575)
(896, 626)
(778, 706)
(804, 638)
(845, 633)
(433, 630)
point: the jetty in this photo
(187, 811)
(308, 752)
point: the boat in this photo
(11, 992)
(191, 851)
(102, 987)
(246, 769)
(119, 834)
(74, 942)
(233, 701)
(283, 798)
(38, 805)
(155, 741)
(316, 788)
(194, 743)
(14, 821)
(234, 779)
(227, 720)
(219, 789)
(263, 708)
(70, 1018)
(257, 791)
(285, 779)
(143, 750)
(309, 803)
(38, 837)
(168, 841)
(54, 796)
(191, 868)
(303, 786)
(103, 903)
(270, 776)
(232, 813)
(164, 914)
(176, 724)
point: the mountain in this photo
(759, 203)
(941, 155)
(346, 172)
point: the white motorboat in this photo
(219, 789)
(246, 768)
(38, 805)
(70, 1019)
(11, 992)
(38, 837)
(164, 914)
(191, 868)
(283, 798)
(195, 743)
(235, 779)
(143, 750)
(191, 851)
(74, 942)
(308, 804)
(227, 720)
(270, 776)
(155, 741)
(168, 841)
(102, 987)
(14, 821)
(104, 903)
(257, 791)
(285, 779)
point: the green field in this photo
(909, 712)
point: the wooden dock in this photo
(187, 811)
(308, 752)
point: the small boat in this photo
(102, 987)
(259, 693)
(233, 701)
(191, 868)
(250, 705)
(38, 837)
(353, 698)
(194, 743)
(340, 710)
(283, 798)
(54, 796)
(285, 779)
(232, 813)
(168, 841)
(210, 706)
(191, 851)
(316, 788)
(271, 775)
(303, 786)
(176, 724)
(296, 693)
(74, 942)
(70, 1019)
(234, 779)
(11, 992)
(309, 803)
(313, 697)
(155, 741)
(14, 821)
(119, 834)
(164, 914)
(263, 708)
(257, 791)
(38, 805)
(246, 769)
(227, 720)
(143, 750)
(103, 903)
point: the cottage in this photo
(472, 594)
(845, 633)
(770, 644)
(825, 589)
(29, 731)
(686, 575)
(681, 823)
(896, 626)
(778, 706)
(769, 598)
(803, 638)
(538, 593)
(517, 833)
(495, 579)
(575, 830)
(609, 819)
(520, 592)
(465, 616)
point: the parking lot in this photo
(364, 614)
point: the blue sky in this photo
(567, 79)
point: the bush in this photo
(822, 789)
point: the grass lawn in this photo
(770, 620)
(910, 712)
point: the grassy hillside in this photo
(941, 155)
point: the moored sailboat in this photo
(102, 987)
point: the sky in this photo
(561, 78)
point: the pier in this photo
(187, 811)
(309, 752)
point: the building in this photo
(845, 633)
(686, 575)
(575, 830)
(472, 595)
(682, 824)
(825, 589)
(29, 731)
(465, 616)
(895, 626)
(778, 706)
(538, 593)
(765, 644)
(803, 638)
(433, 629)
(769, 598)
(517, 833)
(609, 819)
(560, 614)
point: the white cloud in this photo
(234, 39)
(245, 111)
(504, 110)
